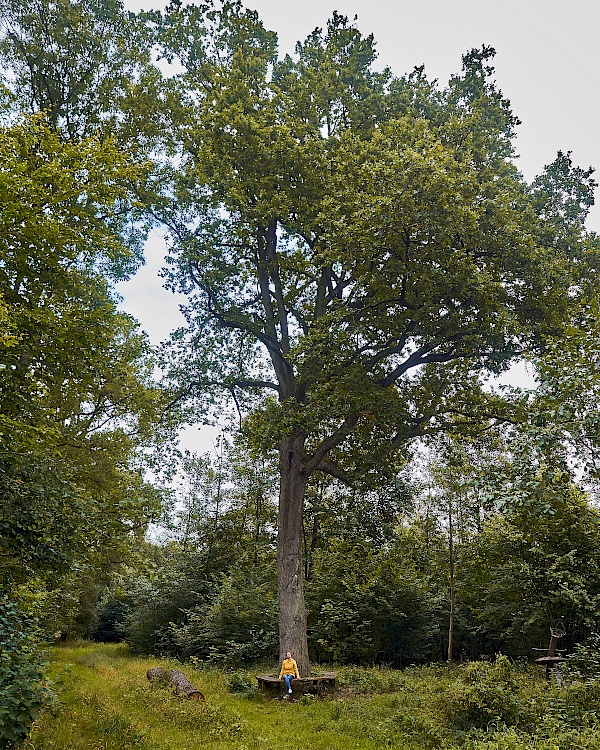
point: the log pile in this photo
(177, 680)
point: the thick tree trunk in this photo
(292, 610)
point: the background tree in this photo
(335, 511)
(77, 397)
(86, 65)
(454, 506)
(534, 562)
(369, 604)
(209, 591)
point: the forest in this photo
(364, 268)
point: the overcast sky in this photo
(547, 64)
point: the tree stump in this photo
(177, 680)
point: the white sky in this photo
(547, 64)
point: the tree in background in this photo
(335, 511)
(77, 397)
(78, 400)
(534, 562)
(78, 405)
(369, 604)
(88, 66)
(209, 589)
(359, 252)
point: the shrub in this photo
(489, 695)
(370, 680)
(239, 625)
(24, 687)
(242, 683)
(585, 659)
(111, 614)
(367, 605)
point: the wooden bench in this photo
(270, 684)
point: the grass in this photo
(105, 703)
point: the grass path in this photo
(106, 703)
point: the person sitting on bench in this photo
(289, 670)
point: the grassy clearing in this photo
(105, 703)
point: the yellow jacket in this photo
(289, 666)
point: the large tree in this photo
(87, 64)
(359, 252)
(77, 396)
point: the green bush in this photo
(576, 704)
(367, 605)
(111, 615)
(190, 607)
(157, 603)
(242, 683)
(370, 680)
(239, 625)
(585, 659)
(490, 694)
(24, 687)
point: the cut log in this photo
(177, 680)
(156, 673)
(183, 686)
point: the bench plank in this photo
(268, 682)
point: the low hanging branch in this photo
(177, 680)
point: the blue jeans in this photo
(287, 678)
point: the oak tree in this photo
(359, 252)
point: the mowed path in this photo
(106, 703)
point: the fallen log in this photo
(177, 680)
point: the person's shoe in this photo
(290, 691)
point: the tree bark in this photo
(177, 680)
(292, 610)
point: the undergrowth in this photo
(106, 703)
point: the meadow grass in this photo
(105, 703)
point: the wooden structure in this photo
(552, 660)
(270, 684)
(178, 681)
